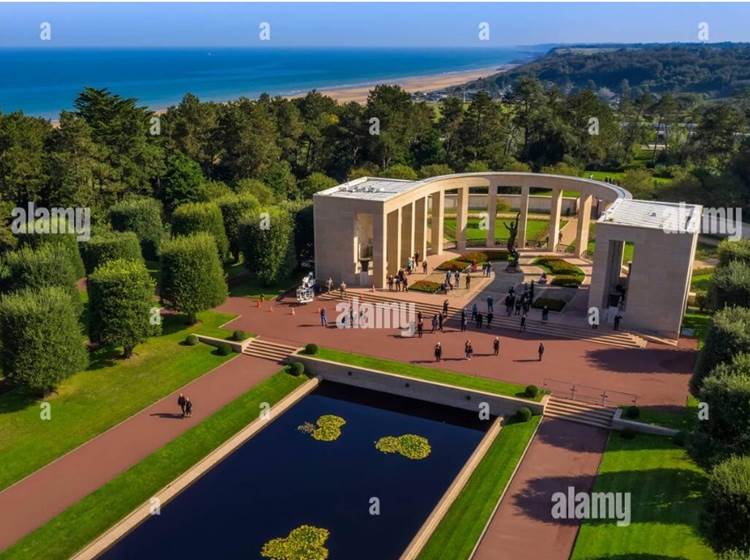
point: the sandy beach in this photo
(413, 84)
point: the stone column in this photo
(584, 221)
(523, 218)
(394, 241)
(462, 217)
(407, 232)
(379, 249)
(437, 221)
(420, 227)
(554, 219)
(491, 215)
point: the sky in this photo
(367, 25)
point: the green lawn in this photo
(536, 229)
(81, 523)
(666, 489)
(249, 286)
(109, 391)
(678, 418)
(701, 279)
(458, 532)
(618, 176)
(698, 321)
(428, 374)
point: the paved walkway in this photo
(659, 374)
(562, 454)
(36, 499)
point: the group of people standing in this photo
(400, 281)
(452, 280)
(468, 349)
(186, 405)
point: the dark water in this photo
(283, 478)
(44, 81)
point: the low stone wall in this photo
(620, 423)
(213, 341)
(430, 391)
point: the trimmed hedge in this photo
(553, 304)
(558, 266)
(531, 391)
(110, 246)
(42, 267)
(567, 281)
(224, 349)
(296, 368)
(191, 340)
(728, 334)
(523, 414)
(192, 278)
(64, 243)
(267, 242)
(730, 285)
(311, 349)
(121, 295)
(196, 217)
(734, 251)
(239, 336)
(427, 286)
(233, 207)
(142, 216)
(727, 505)
(40, 338)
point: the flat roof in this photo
(370, 188)
(670, 217)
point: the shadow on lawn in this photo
(672, 501)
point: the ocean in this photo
(44, 81)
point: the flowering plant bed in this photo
(426, 286)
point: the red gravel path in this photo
(36, 499)
(562, 454)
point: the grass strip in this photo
(83, 522)
(458, 532)
(428, 374)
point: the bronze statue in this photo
(512, 252)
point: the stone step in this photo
(269, 350)
(579, 419)
(580, 412)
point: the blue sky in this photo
(415, 24)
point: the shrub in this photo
(558, 266)
(523, 414)
(195, 217)
(734, 554)
(399, 171)
(311, 349)
(726, 431)
(192, 279)
(40, 338)
(628, 433)
(632, 412)
(239, 336)
(553, 304)
(267, 243)
(531, 391)
(65, 244)
(728, 334)
(191, 340)
(567, 281)
(296, 368)
(316, 182)
(120, 304)
(434, 170)
(734, 251)
(42, 267)
(453, 265)
(730, 285)
(110, 246)
(427, 286)
(302, 215)
(727, 505)
(142, 216)
(182, 182)
(232, 208)
(224, 349)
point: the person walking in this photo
(188, 407)
(466, 351)
(438, 352)
(545, 313)
(329, 284)
(181, 403)
(490, 304)
(463, 320)
(457, 276)
(424, 267)
(490, 316)
(434, 322)
(540, 351)
(390, 282)
(618, 318)
(323, 317)
(468, 281)
(480, 320)
(518, 306)
(440, 322)
(445, 307)
(474, 312)
(342, 289)
(406, 284)
(496, 346)
(523, 322)
(508, 305)
(420, 328)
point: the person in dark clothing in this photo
(490, 316)
(445, 307)
(541, 351)
(618, 318)
(440, 322)
(480, 320)
(490, 304)
(438, 352)
(188, 407)
(496, 346)
(545, 313)
(420, 328)
(463, 320)
(181, 403)
(434, 322)
(523, 323)
(518, 306)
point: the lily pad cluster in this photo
(303, 543)
(326, 428)
(410, 446)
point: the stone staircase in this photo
(579, 412)
(620, 339)
(268, 350)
